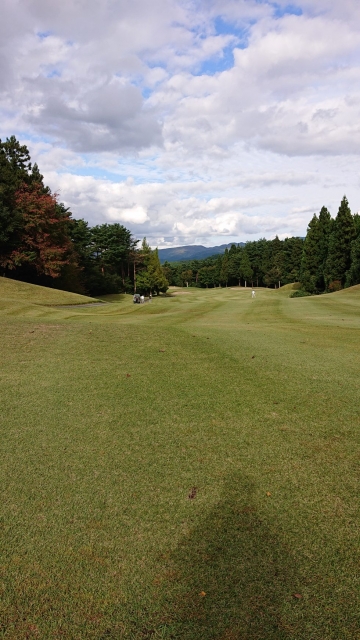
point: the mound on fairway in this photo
(18, 291)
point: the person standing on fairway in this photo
(253, 294)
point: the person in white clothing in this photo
(253, 294)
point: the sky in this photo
(187, 121)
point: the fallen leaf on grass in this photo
(298, 596)
(128, 375)
(162, 350)
(192, 493)
(268, 494)
(252, 357)
(202, 594)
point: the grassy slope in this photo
(14, 291)
(111, 415)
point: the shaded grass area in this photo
(111, 417)
(22, 292)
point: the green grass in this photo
(111, 415)
(14, 291)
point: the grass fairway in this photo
(112, 416)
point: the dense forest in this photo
(268, 263)
(41, 242)
(328, 259)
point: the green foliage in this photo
(315, 252)
(245, 270)
(40, 242)
(15, 170)
(342, 234)
(300, 293)
(150, 276)
(353, 274)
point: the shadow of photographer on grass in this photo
(230, 579)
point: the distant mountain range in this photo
(193, 252)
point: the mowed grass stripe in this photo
(111, 418)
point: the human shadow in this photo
(231, 578)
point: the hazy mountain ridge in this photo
(192, 252)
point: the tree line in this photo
(41, 243)
(327, 259)
(261, 263)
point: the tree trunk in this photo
(245, 284)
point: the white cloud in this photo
(136, 215)
(114, 104)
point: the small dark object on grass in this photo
(298, 596)
(128, 375)
(252, 357)
(162, 350)
(192, 493)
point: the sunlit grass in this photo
(111, 416)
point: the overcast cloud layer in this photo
(188, 121)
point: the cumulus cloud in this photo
(184, 119)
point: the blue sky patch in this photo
(146, 92)
(54, 73)
(227, 28)
(43, 34)
(217, 64)
(289, 9)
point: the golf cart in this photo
(136, 298)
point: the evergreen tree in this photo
(246, 272)
(255, 250)
(44, 244)
(338, 261)
(15, 168)
(353, 274)
(224, 271)
(150, 277)
(315, 252)
(292, 253)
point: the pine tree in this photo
(315, 252)
(224, 271)
(150, 277)
(246, 272)
(233, 264)
(15, 168)
(353, 275)
(338, 261)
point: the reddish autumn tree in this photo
(44, 242)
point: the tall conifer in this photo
(315, 252)
(339, 255)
